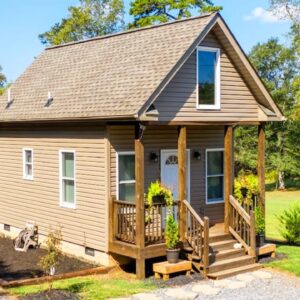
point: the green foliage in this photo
(171, 233)
(50, 260)
(158, 189)
(92, 18)
(290, 224)
(2, 81)
(260, 222)
(246, 187)
(150, 12)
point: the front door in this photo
(169, 171)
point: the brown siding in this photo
(157, 138)
(178, 101)
(38, 200)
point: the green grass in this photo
(291, 263)
(91, 288)
(276, 203)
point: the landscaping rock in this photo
(146, 296)
(262, 274)
(224, 283)
(182, 294)
(245, 277)
(205, 289)
(236, 285)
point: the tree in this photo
(2, 81)
(286, 9)
(149, 12)
(92, 18)
(278, 66)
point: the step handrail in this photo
(242, 226)
(197, 234)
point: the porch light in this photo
(197, 155)
(153, 157)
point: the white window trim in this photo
(217, 104)
(61, 177)
(117, 171)
(217, 175)
(26, 176)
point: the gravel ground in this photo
(260, 285)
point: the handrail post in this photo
(252, 250)
(206, 245)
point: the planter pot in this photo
(260, 240)
(159, 199)
(173, 256)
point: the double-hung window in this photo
(67, 179)
(126, 176)
(208, 78)
(214, 175)
(28, 164)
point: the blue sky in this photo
(22, 21)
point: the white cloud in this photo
(263, 15)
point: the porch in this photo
(138, 232)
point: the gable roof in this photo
(110, 77)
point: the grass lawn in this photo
(276, 203)
(91, 288)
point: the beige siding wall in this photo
(38, 200)
(163, 137)
(178, 101)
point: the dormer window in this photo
(208, 78)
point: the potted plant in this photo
(172, 239)
(158, 194)
(259, 227)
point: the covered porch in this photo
(131, 233)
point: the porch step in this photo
(230, 263)
(222, 245)
(217, 237)
(226, 254)
(235, 271)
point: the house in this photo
(90, 124)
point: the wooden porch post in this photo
(228, 173)
(139, 200)
(182, 180)
(261, 166)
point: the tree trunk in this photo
(281, 183)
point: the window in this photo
(214, 175)
(67, 179)
(208, 78)
(126, 176)
(28, 164)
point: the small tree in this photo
(51, 259)
(260, 224)
(2, 81)
(171, 234)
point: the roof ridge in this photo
(130, 31)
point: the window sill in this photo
(214, 202)
(208, 107)
(28, 178)
(66, 205)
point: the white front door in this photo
(169, 171)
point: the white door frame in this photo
(188, 171)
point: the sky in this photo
(21, 21)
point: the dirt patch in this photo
(19, 265)
(52, 295)
(268, 258)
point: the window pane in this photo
(214, 189)
(28, 169)
(68, 191)
(214, 162)
(206, 77)
(28, 156)
(127, 192)
(68, 165)
(126, 167)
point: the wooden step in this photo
(217, 237)
(230, 263)
(225, 254)
(235, 271)
(222, 245)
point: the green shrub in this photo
(171, 233)
(290, 224)
(260, 223)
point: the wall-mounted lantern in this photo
(197, 155)
(154, 157)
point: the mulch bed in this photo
(52, 295)
(24, 265)
(268, 258)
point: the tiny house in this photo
(90, 124)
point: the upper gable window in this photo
(208, 78)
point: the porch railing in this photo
(155, 218)
(197, 233)
(242, 225)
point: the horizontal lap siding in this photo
(38, 200)
(157, 138)
(178, 101)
